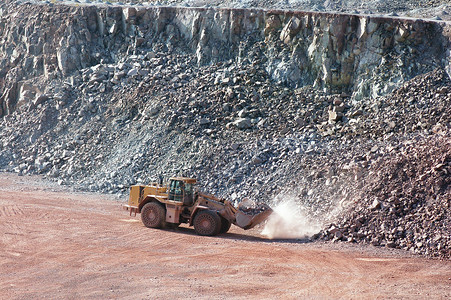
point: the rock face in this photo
(361, 55)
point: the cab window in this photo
(176, 190)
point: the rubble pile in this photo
(421, 104)
(405, 202)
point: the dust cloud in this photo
(289, 221)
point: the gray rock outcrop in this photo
(362, 55)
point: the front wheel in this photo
(207, 222)
(153, 215)
(225, 225)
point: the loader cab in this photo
(181, 189)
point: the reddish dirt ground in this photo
(59, 244)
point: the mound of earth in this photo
(406, 200)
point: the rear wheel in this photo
(207, 222)
(225, 225)
(153, 215)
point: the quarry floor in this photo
(60, 244)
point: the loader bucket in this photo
(248, 221)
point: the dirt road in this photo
(58, 244)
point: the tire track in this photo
(8, 219)
(11, 211)
(32, 213)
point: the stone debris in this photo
(406, 202)
(252, 208)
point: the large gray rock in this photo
(243, 123)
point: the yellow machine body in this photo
(138, 193)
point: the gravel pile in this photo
(405, 202)
(406, 196)
(421, 104)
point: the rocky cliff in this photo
(355, 54)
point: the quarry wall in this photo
(360, 55)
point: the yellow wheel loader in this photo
(169, 206)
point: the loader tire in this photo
(225, 225)
(153, 215)
(207, 222)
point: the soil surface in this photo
(58, 244)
